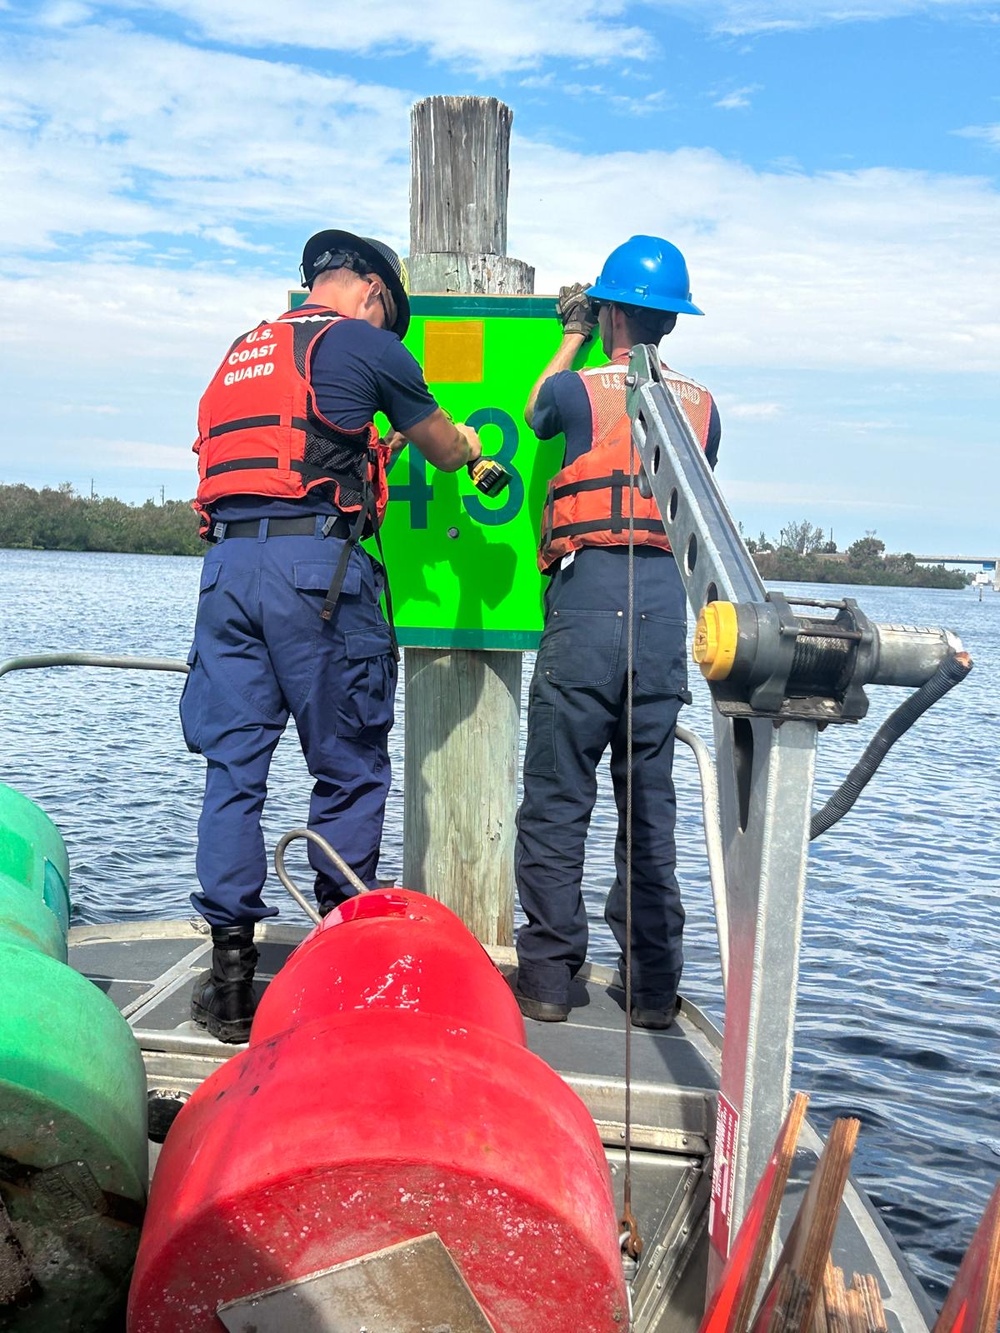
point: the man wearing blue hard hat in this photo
(594, 515)
(292, 474)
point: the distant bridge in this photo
(986, 563)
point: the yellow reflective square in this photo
(453, 351)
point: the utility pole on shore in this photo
(462, 707)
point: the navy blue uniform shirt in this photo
(357, 370)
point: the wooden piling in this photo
(462, 707)
(458, 198)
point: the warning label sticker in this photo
(720, 1212)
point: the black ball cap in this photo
(384, 262)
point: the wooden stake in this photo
(870, 1300)
(796, 1286)
(835, 1316)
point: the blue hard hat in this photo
(646, 271)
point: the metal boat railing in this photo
(700, 751)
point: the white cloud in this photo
(63, 14)
(991, 133)
(494, 36)
(876, 268)
(738, 99)
(487, 37)
(145, 339)
(153, 325)
(160, 148)
(647, 105)
(131, 135)
(748, 17)
(621, 103)
(753, 411)
(233, 240)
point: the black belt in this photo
(335, 526)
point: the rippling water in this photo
(898, 1015)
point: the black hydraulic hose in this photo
(952, 670)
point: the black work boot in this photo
(223, 999)
(542, 1011)
(657, 1017)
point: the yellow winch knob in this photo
(715, 640)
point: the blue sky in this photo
(829, 169)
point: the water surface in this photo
(900, 961)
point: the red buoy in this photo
(386, 1095)
(403, 951)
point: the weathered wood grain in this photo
(458, 175)
(490, 275)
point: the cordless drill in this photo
(488, 476)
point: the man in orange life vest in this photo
(291, 475)
(577, 704)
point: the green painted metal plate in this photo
(462, 567)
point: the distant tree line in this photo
(62, 520)
(803, 554)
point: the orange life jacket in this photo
(589, 501)
(261, 433)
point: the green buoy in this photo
(73, 1149)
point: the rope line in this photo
(634, 1244)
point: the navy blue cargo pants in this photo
(261, 652)
(576, 710)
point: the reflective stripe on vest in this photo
(261, 433)
(594, 501)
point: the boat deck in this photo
(148, 969)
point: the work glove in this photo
(575, 310)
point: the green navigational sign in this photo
(463, 567)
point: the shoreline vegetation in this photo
(60, 519)
(803, 554)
